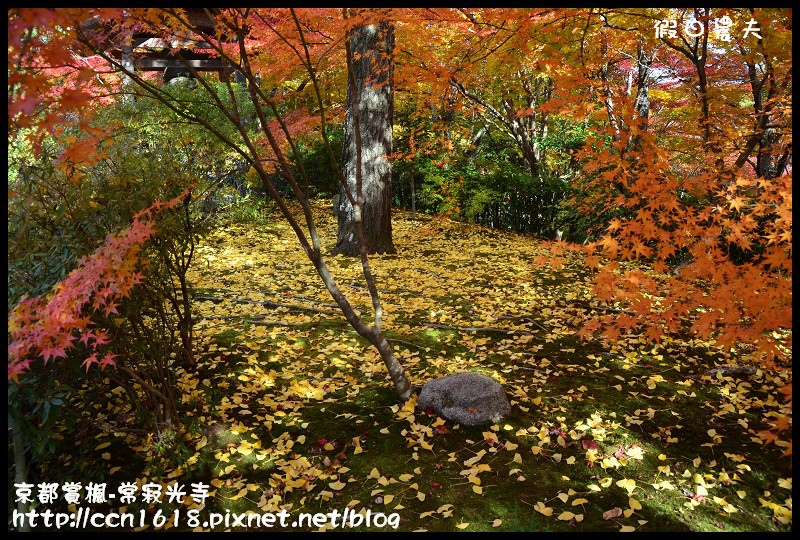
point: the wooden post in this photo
(127, 63)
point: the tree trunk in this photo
(20, 464)
(373, 333)
(413, 198)
(642, 103)
(372, 46)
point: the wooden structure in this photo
(170, 55)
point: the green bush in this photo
(62, 211)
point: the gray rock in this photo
(470, 399)
(728, 370)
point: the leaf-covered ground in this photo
(290, 409)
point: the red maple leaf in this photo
(587, 444)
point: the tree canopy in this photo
(703, 175)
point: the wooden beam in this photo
(159, 64)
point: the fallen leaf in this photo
(542, 509)
(628, 484)
(587, 444)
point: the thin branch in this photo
(478, 329)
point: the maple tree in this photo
(695, 208)
(660, 197)
(75, 316)
(45, 327)
(276, 133)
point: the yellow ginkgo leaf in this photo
(542, 509)
(337, 486)
(566, 516)
(634, 504)
(462, 525)
(628, 484)
(497, 522)
(477, 489)
(635, 452)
